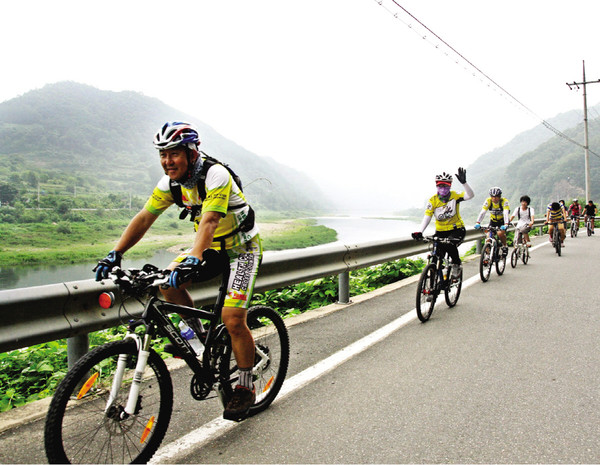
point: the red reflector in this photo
(106, 299)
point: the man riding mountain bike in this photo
(556, 215)
(222, 219)
(590, 211)
(499, 210)
(448, 223)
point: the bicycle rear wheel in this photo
(84, 426)
(426, 293)
(452, 292)
(271, 358)
(525, 255)
(485, 262)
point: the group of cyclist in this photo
(444, 206)
(224, 221)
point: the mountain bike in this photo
(115, 404)
(437, 277)
(556, 242)
(588, 225)
(490, 255)
(521, 251)
(574, 225)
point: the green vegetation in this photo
(33, 373)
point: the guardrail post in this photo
(77, 347)
(478, 246)
(344, 288)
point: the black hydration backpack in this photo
(207, 163)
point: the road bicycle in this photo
(521, 251)
(574, 226)
(115, 404)
(491, 254)
(589, 222)
(437, 277)
(556, 242)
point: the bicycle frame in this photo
(155, 317)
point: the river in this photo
(350, 230)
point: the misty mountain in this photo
(102, 141)
(538, 163)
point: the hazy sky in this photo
(340, 89)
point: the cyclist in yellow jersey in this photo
(222, 219)
(556, 214)
(445, 207)
(499, 211)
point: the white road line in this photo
(218, 426)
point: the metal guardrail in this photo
(38, 314)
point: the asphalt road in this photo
(510, 375)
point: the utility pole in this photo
(586, 145)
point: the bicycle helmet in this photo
(495, 192)
(443, 178)
(576, 200)
(174, 134)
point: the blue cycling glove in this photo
(184, 271)
(503, 227)
(477, 226)
(106, 264)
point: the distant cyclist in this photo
(448, 223)
(590, 210)
(574, 209)
(525, 218)
(499, 210)
(556, 214)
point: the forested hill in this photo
(75, 137)
(540, 164)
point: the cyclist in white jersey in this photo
(525, 217)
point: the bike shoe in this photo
(504, 251)
(239, 405)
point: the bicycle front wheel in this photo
(485, 262)
(426, 293)
(501, 264)
(85, 425)
(514, 258)
(525, 256)
(452, 292)
(271, 359)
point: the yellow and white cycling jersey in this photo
(222, 196)
(498, 211)
(447, 216)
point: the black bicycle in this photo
(437, 277)
(115, 404)
(490, 255)
(556, 242)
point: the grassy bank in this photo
(95, 233)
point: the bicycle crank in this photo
(200, 387)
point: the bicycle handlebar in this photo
(135, 279)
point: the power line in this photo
(462, 58)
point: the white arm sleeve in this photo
(468, 192)
(425, 223)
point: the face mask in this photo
(443, 191)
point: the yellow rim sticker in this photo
(268, 385)
(88, 385)
(147, 430)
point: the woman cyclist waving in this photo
(445, 206)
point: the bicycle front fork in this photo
(140, 367)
